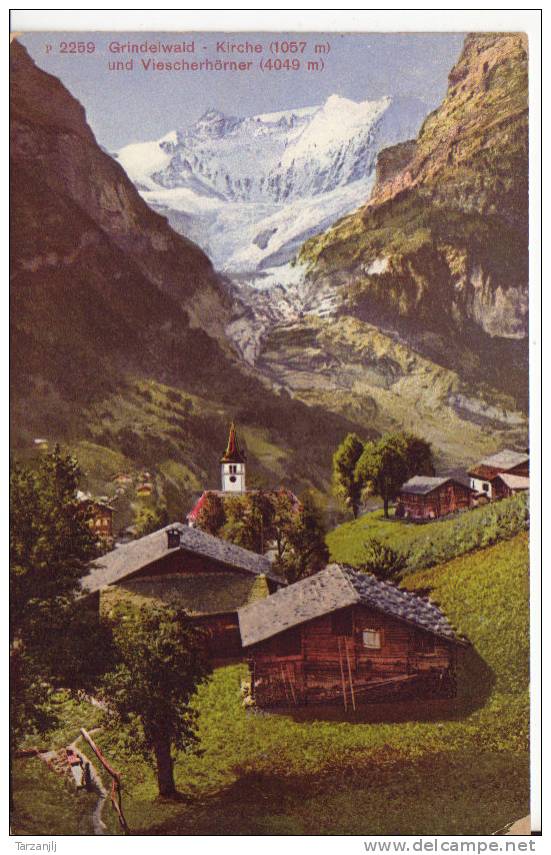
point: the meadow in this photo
(427, 544)
(438, 767)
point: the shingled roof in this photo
(515, 482)
(336, 587)
(505, 459)
(200, 594)
(132, 557)
(420, 485)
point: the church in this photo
(233, 478)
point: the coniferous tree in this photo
(382, 561)
(51, 545)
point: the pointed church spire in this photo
(233, 453)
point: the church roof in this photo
(233, 452)
(199, 504)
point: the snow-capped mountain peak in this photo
(250, 189)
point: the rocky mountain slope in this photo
(440, 251)
(413, 310)
(117, 323)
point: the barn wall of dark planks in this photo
(327, 659)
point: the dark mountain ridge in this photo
(110, 308)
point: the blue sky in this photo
(139, 105)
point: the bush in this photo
(384, 562)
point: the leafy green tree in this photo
(51, 541)
(346, 483)
(283, 520)
(384, 562)
(249, 521)
(383, 468)
(419, 455)
(51, 544)
(295, 531)
(212, 516)
(305, 549)
(150, 519)
(161, 660)
(388, 463)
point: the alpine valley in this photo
(348, 266)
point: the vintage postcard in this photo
(270, 455)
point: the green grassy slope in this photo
(426, 767)
(439, 767)
(433, 542)
(178, 434)
(47, 803)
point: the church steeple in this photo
(233, 465)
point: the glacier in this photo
(250, 190)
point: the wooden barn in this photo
(487, 476)
(343, 636)
(426, 498)
(185, 567)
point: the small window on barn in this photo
(341, 623)
(372, 639)
(485, 487)
(289, 642)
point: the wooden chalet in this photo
(427, 498)
(487, 477)
(180, 566)
(100, 515)
(344, 636)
